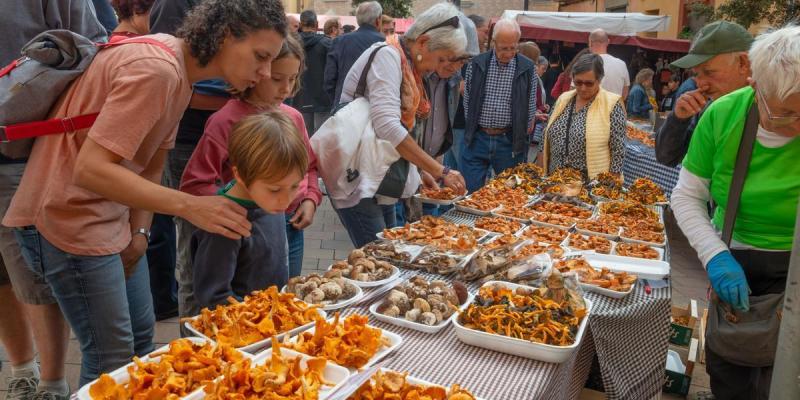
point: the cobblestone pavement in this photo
(327, 240)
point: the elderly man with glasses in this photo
(745, 148)
(499, 106)
(718, 57)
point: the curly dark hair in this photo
(207, 24)
(128, 8)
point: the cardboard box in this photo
(681, 335)
(680, 366)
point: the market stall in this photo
(510, 295)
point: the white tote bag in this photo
(350, 157)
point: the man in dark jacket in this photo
(312, 101)
(719, 59)
(499, 106)
(347, 48)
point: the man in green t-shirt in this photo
(756, 261)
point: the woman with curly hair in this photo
(84, 205)
(134, 18)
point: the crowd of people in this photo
(199, 175)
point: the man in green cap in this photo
(718, 57)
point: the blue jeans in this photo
(111, 316)
(487, 151)
(399, 215)
(430, 209)
(365, 219)
(452, 158)
(294, 237)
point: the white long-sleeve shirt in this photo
(383, 92)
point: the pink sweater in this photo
(209, 168)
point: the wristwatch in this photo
(144, 232)
(445, 171)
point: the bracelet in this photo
(142, 231)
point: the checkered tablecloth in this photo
(629, 337)
(640, 161)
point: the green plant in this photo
(392, 8)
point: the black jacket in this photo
(672, 139)
(525, 81)
(344, 52)
(312, 97)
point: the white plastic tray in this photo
(341, 304)
(566, 232)
(643, 268)
(569, 239)
(549, 225)
(651, 244)
(393, 276)
(608, 236)
(402, 322)
(254, 348)
(440, 202)
(658, 250)
(395, 341)
(519, 347)
(413, 250)
(121, 376)
(606, 292)
(496, 213)
(471, 210)
(332, 372)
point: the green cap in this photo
(716, 38)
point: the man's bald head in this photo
(598, 41)
(506, 39)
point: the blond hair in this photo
(266, 146)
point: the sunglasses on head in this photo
(452, 22)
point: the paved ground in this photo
(326, 240)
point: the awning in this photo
(534, 32)
(628, 24)
(401, 25)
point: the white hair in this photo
(775, 62)
(444, 38)
(506, 25)
(368, 12)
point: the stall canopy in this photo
(534, 32)
(401, 25)
(626, 24)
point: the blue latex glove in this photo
(728, 280)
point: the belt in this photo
(495, 131)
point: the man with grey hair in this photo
(616, 79)
(347, 48)
(500, 94)
(718, 56)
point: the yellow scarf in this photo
(413, 99)
(598, 130)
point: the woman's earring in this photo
(419, 57)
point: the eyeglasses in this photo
(452, 22)
(584, 83)
(781, 120)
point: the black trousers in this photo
(766, 274)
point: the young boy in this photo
(268, 160)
